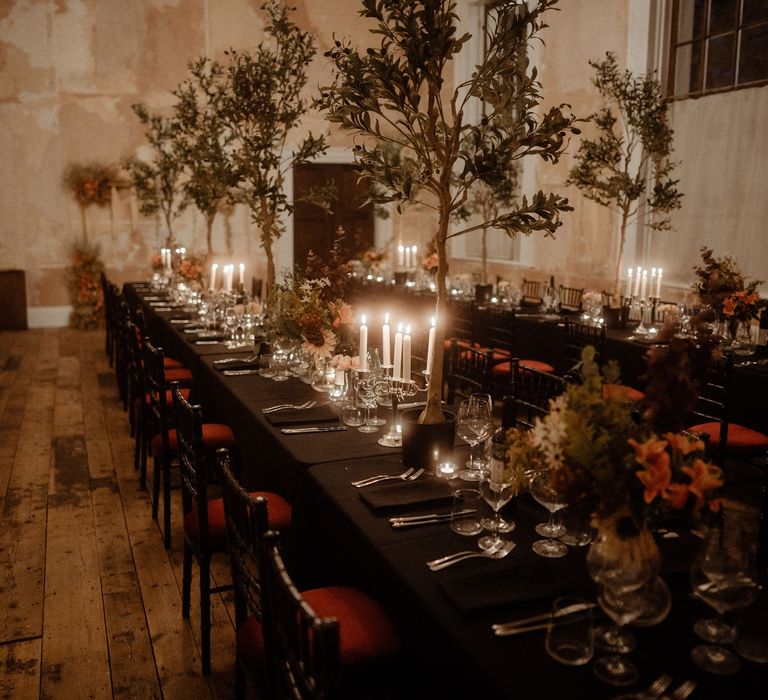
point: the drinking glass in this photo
(622, 606)
(366, 396)
(473, 425)
(569, 633)
(723, 576)
(545, 493)
(374, 365)
(497, 489)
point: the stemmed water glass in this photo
(547, 494)
(365, 388)
(376, 370)
(723, 576)
(498, 487)
(473, 425)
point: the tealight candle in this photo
(446, 470)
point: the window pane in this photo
(722, 15)
(753, 58)
(688, 68)
(754, 11)
(691, 19)
(720, 68)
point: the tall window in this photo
(718, 45)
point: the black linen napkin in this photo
(236, 364)
(515, 582)
(316, 414)
(401, 494)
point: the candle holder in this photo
(394, 391)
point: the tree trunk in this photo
(169, 239)
(209, 232)
(619, 256)
(433, 411)
(484, 254)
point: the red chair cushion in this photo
(178, 375)
(461, 343)
(215, 435)
(279, 512)
(741, 439)
(171, 363)
(621, 392)
(366, 634)
(502, 370)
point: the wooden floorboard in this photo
(91, 598)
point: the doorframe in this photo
(335, 155)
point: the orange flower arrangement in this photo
(742, 305)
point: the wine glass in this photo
(724, 577)
(622, 605)
(497, 487)
(374, 365)
(366, 396)
(544, 491)
(473, 425)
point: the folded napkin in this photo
(206, 336)
(398, 494)
(514, 582)
(292, 416)
(239, 364)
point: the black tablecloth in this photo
(337, 538)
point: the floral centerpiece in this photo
(722, 286)
(191, 270)
(612, 467)
(84, 286)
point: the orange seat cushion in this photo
(366, 634)
(171, 363)
(215, 435)
(461, 343)
(621, 392)
(501, 371)
(178, 375)
(278, 511)
(741, 439)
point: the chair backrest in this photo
(500, 329)
(533, 291)
(531, 393)
(462, 320)
(189, 446)
(302, 649)
(712, 381)
(160, 412)
(469, 372)
(570, 298)
(246, 520)
(577, 336)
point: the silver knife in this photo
(313, 429)
(525, 624)
(239, 372)
(208, 342)
(428, 517)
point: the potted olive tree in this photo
(261, 105)
(202, 141)
(158, 184)
(400, 92)
(628, 163)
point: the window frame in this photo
(706, 37)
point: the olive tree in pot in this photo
(400, 92)
(261, 105)
(628, 163)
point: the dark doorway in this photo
(314, 229)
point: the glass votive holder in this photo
(446, 470)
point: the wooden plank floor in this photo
(91, 600)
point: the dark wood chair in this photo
(247, 517)
(325, 643)
(164, 443)
(530, 394)
(469, 372)
(570, 298)
(533, 292)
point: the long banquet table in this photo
(444, 617)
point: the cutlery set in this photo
(537, 622)
(407, 475)
(451, 559)
(313, 429)
(286, 406)
(227, 360)
(429, 518)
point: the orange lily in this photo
(705, 477)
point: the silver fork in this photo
(684, 690)
(407, 475)
(498, 554)
(285, 406)
(225, 360)
(658, 686)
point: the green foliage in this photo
(201, 140)
(396, 93)
(633, 146)
(260, 105)
(158, 184)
